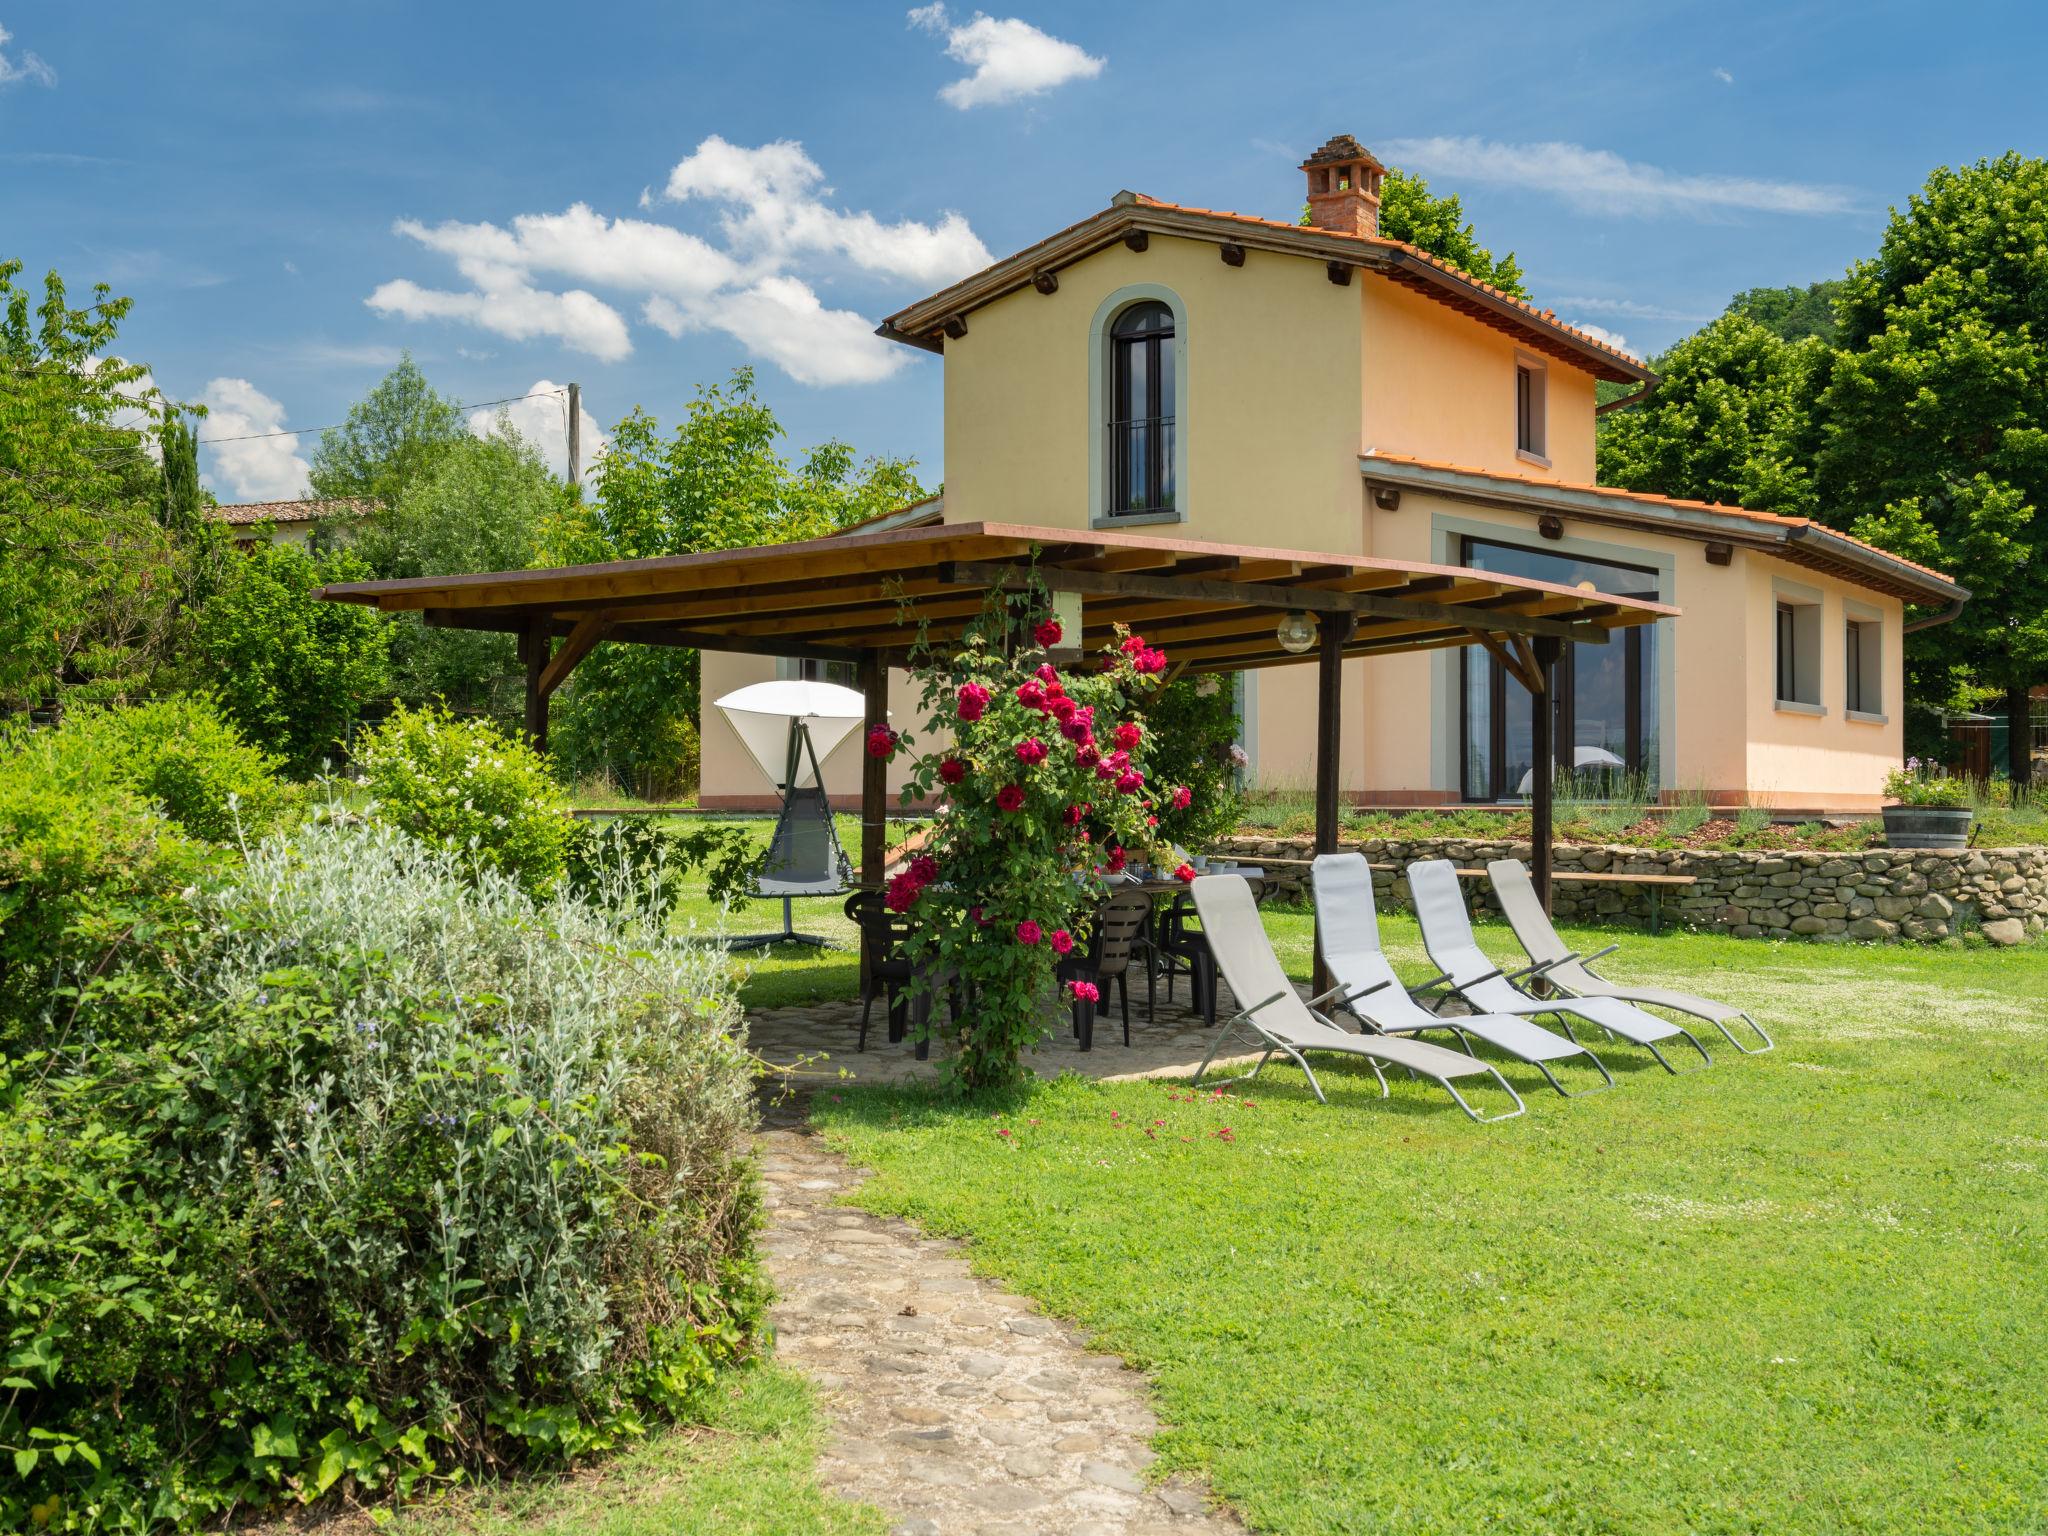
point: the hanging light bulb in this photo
(1296, 632)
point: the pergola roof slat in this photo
(1213, 605)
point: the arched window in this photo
(1141, 410)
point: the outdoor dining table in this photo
(1201, 965)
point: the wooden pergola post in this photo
(874, 773)
(1333, 630)
(1543, 763)
(534, 648)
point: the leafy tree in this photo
(719, 482)
(393, 435)
(478, 507)
(1935, 420)
(290, 670)
(1730, 422)
(1793, 313)
(181, 504)
(1410, 211)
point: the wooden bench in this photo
(1656, 885)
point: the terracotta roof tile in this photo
(1724, 509)
(310, 509)
(1547, 316)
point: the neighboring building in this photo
(288, 522)
(1245, 381)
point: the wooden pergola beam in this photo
(581, 639)
(1261, 595)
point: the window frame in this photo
(1101, 400)
(1532, 409)
(1863, 664)
(1798, 650)
(1152, 417)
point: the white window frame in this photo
(1100, 374)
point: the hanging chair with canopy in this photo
(789, 727)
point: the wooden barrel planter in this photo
(1926, 826)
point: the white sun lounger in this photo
(1348, 937)
(1281, 1021)
(1447, 935)
(1564, 968)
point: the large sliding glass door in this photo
(1606, 695)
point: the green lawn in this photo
(749, 1472)
(1802, 1292)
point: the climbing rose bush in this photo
(1044, 791)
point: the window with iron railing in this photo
(1141, 445)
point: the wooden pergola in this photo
(862, 597)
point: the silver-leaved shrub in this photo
(414, 1173)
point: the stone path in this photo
(956, 1408)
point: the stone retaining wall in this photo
(1879, 893)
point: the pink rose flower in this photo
(952, 771)
(1029, 932)
(1129, 734)
(1085, 991)
(1074, 815)
(1030, 751)
(973, 702)
(1133, 644)
(1185, 873)
(1032, 695)
(925, 867)
(1047, 633)
(1064, 709)
(1183, 797)
(1010, 797)
(1129, 780)
(881, 742)
(1062, 942)
(1088, 756)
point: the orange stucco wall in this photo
(1438, 385)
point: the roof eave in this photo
(1909, 582)
(919, 324)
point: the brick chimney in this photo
(1344, 187)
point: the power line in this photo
(539, 394)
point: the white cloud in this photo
(543, 420)
(776, 210)
(1601, 181)
(30, 67)
(241, 463)
(1630, 309)
(776, 214)
(781, 319)
(1724, 77)
(515, 310)
(1613, 339)
(1011, 59)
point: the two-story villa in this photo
(1320, 387)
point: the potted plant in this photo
(1933, 809)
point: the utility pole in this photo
(576, 435)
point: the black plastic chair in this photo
(1182, 948)
(886, 971)
(1115, 933)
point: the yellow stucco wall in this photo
(1796, 758)
(1273, 409)
(1288, 378)
(1439, 385)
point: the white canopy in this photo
(761, 714)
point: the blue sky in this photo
(642, 197)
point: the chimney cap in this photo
(1340, 150)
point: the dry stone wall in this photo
(1879, 893)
